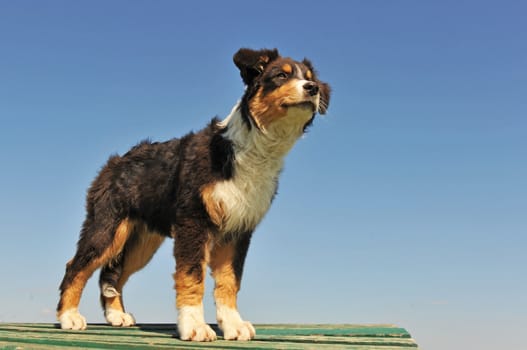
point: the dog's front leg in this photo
(189, 250)
(226, 262)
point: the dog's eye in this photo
(281, 75)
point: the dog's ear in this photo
(325, 92)
(252, 63)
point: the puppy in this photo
(207, 190)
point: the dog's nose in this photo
(311, 88)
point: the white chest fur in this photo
(246, 197)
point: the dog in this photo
(208, 190)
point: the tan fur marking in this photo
(121, 236)
(137, 256)
(140, 254)
(287, 68)
(227, 287)
(71, 296)
(189, 289)
(214, 208)
(115, 303)
(309, 75)
(268, 108)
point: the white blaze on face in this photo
(301, 82)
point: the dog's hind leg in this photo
(97, 246)
(136, 254)
(111, 295)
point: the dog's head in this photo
(280, 89)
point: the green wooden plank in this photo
(98, 336)
(349, 330)
(161, 336)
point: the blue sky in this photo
(406, 204)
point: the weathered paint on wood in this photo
(164, 336)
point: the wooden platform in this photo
(164, 336)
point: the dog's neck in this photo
(258, 159)
(262, 147)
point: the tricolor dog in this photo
(207, 190)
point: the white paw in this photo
(118, 318)
(192, 326)
(72, 319)
(232, 325)
(196, 332)
(243, 330)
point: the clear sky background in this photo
(406, 204)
